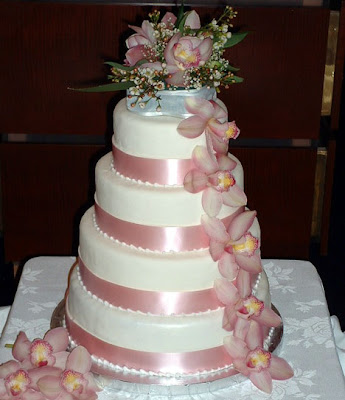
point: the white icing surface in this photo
(145, 204)
(151, 137)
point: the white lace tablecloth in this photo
(308, 342)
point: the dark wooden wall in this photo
(47, 47)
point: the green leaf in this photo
(109, 87)
(234, 79)
(125, 67)
(233, 69)
(235, 39)
(180, 15)
(180, 26)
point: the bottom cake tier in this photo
(142, 344)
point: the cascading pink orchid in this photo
(209, 117)
(213, 175)
(51, 350)
(234, 247)
(75, 382)
(250, 359)
(183, 53)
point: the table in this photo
(297, 292)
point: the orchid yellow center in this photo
(249, 245)
(187, 57)
(40, 352)
(72, 381)
(225, 181)
(252, 306)
(259, 359)
(231, 132)
(18, 382)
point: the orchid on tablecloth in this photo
(43, 369)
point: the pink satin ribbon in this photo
(161, 171)
(157, 303)
(161, 238)
(187, 362)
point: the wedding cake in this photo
(169, 280)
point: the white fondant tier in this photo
(151, 137)
(148, 204)
(146, 270)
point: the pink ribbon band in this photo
(157, 303)
(160, 238)
(163, 172)
(188, 362)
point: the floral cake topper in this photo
(175, 52)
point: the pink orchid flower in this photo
(234, 247)
(183, 53)
(249, 308)
(213, 175)
(192, 20)
(140, 44)
(250, 359)
(51, 350)
(20, 384)
(209, 117)
(75, 382)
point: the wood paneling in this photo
(51, 46)
(45, 188)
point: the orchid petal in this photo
(31, 394)
(203, 160)
(136, 40)
(36, 374)
(240, 366)
(21, 347)
(169, 17)
(235, 197)
(241, 224)
(205, 49)
(91, 385)
(199, 106)
(191, 127)
(57, 338)
(192, 20)
(195, 181)
(241, 328)
(254, 337)
(229, 318)
(214, 228)
(226, 163)
(228, 267)
(220, 146)
(251, 264)
(236, 347)
(280, 369)
(268, 318)
(211, 201)
(168, 51)
(218, 128)
(262, 380)
(216, 250)
(226, 291)
(243, 283)
(60, 359)
(149, 32)
(49, 385)
(220, 113)
(79, 360)
(8, 368)
(135, 54)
